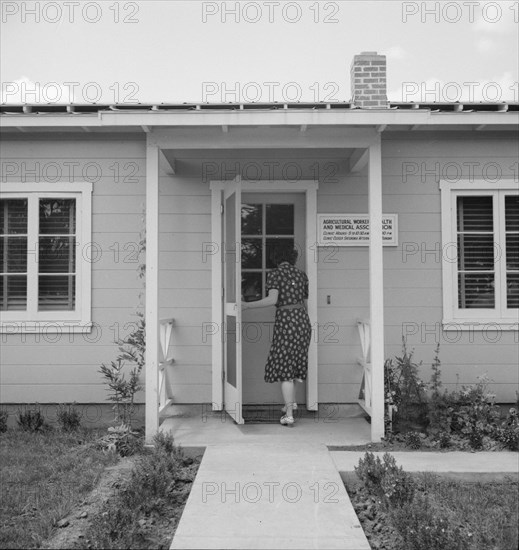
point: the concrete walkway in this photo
(264, 486)
(448, 462)
(269, 496)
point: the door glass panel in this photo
(280, 219)
(230, 249)
(252, 285)
(251, 219)
(272, 244)
(251, 253)
(231, 334)
(264, 226)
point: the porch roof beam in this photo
(263, 138)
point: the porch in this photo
(197, 426)
(356, 151)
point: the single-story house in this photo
(406, 217)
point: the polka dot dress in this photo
(288, 356)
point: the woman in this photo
(287, 288)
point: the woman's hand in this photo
(270, 300)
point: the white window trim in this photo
(79, 320)
(473, 319)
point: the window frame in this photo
(454, 318)
(31, 320)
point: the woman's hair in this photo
(284, 253)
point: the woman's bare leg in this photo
(294, 391)
(288, 391)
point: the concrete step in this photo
(268, 496)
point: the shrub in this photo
(413, 440)
(444, 439)
(121, 439)
(508, 432)
(397, 487)
(370, 471)
(159, 483)
(404, 391)
(474, 412)
(385, 479)
(121, 390)
(4, 415)
(164, 442)
(30, 420)
(438, 410)
(69, 418)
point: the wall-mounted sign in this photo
(353, 229)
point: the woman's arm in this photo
(270, 300)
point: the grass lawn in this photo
(43, 475)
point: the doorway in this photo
(272, 211)
(267, 220)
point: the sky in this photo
(168, 51)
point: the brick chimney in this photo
(368, 81)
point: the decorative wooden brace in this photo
(165, 332)
(365, 392)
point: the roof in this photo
(77, 109)
(143, 118)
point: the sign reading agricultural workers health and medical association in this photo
(353, 229)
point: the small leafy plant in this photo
(404, 391)
(444, 440)
(508, 432)
(4, 415)
(30, 420)
(413, 440)
(385, 479)
(122, 390)
(474, 412)
(69, 418)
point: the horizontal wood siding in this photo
(63, 368)
(40, 369)
(185, 282)
(412, 271)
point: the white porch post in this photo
(152, 290)
(376, 289)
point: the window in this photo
(44, 261)
(480, 228)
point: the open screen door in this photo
(232, 301)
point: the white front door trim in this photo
(309, 188)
